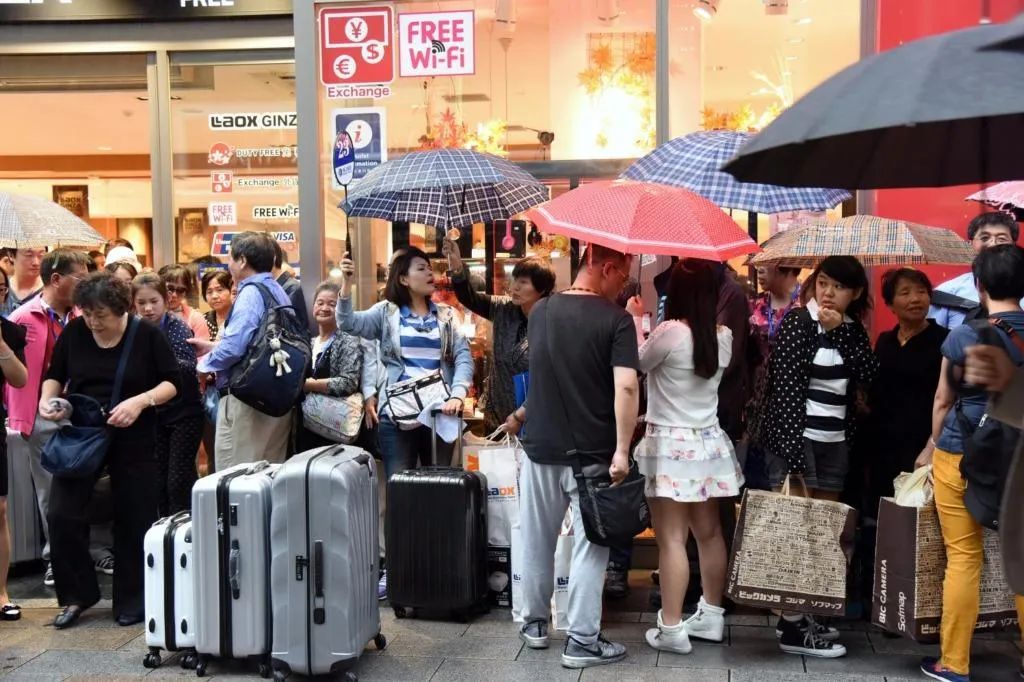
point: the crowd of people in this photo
(725, 393)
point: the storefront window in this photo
(76, 131)
(233, 130)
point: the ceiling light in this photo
(791, 58)
(776, 7)
(104, 148)
(794, 41)
(803, 21)
(505, 16)
(706, 9)
(608, 10)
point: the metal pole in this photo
(161, 158)
(661, 72)
(307, 98)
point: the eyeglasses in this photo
(172, 289)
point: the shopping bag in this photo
(500, 462)
(910, 564)
(563, 561)
(516, 572)
(791, 553)
(914, 490)
(560, 596)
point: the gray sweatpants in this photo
(545, 490)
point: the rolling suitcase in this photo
(22, 505)
(231, 544)
(169, 590)
(436, 529)
(324, 556)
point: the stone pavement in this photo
(488, 649)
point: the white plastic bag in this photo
(914, 489)
(560, 597)
(516, 565)
(500, 465)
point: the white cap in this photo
(122, 254)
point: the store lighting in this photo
(791, 58)
(608, 10)
(794, 41)
(505, 16)
(803, 21)
(104, 148)
(776, 7)
(706, 9)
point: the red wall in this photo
(901, 21)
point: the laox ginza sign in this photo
(276, 120)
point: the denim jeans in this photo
(402, 450)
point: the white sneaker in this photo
(669, 638)
(708, 624)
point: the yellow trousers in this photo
(963, 538)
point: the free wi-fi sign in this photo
(437, 43)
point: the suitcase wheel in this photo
(200, 668)
(265, 670)
(401, 612)
(350, 677)
(152, 659)
(280, 676)
(188, 661)
(380, 641)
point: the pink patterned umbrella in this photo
(643, 217)
(1003, 195)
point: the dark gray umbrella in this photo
(934, 112)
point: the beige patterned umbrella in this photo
(31, 222)
(873, 240)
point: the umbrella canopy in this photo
(1002, 195)
(694, 162)
(31, 222)
(642, 217)
(934, 112)
(873, 240)
(445, 188)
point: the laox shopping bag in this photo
(499, 462)
(910, 563)
(791, 553)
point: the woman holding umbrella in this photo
(822, 353)
(532, 280)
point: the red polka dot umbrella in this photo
(641, 217)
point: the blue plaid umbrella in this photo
(445, 188)
(693, 161)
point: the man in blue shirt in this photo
(987, 229)
(244, 434)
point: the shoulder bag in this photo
(78, 449)
(612, 515)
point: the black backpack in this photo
(270, 377)
(989, 447)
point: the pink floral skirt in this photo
(688, 465)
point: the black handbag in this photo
(612, 515)
(78, 449)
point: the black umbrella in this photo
(935, 112)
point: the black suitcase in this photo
(436, 528)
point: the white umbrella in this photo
(31, 222)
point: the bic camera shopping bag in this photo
(791, 553)
(910, 563)
(499, 462)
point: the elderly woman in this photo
(216, 289)
(342, 364)
(180, 285)
(532, 280)
(85, 360)
(180, 428)
(900, 399)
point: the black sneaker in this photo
(826, 632)
(601, 652)
(616, 581)
(806, 642)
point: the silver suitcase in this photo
(170, 589)
(324, 563)
(231, 544)
(22, 505)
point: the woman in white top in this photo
(689, 462)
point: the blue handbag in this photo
(78, 449)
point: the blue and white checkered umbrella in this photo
(693, 161)
(445, 188)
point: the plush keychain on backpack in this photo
(279, 358)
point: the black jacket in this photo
(790, 373)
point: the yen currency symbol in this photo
(344, 67)
(356, 30)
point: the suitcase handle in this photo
(319, 615)
(234, 568)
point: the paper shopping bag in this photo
(560, 597)
(910, 564)
(499, 462)
(791, 553)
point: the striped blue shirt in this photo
(420, 339)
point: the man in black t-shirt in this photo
(583, 396)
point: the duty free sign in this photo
(437, 43)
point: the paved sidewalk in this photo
(488, 649)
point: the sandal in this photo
(10, 612)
